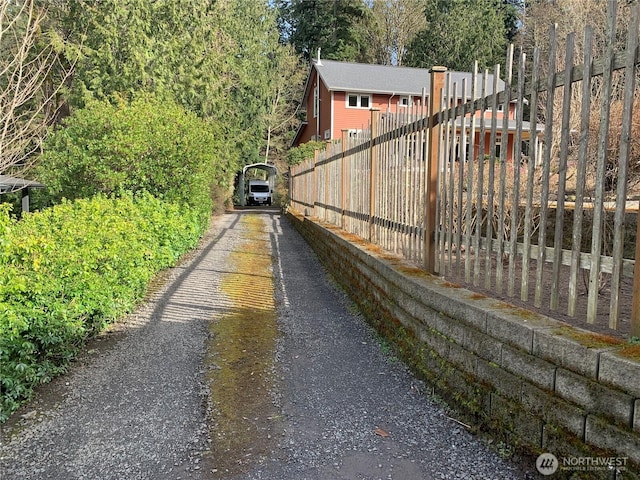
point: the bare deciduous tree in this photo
(31, 76)
(574, 16)
(396, 22)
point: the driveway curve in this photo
(246, 362)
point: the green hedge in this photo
(147, 144)
(69, 270)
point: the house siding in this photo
(314, 128)
(487, 145)
(325, 112)
(358, 118)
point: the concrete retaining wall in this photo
(535, 382)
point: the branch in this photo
(31, 77)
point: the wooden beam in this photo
(433, 148)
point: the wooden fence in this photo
(533, 210)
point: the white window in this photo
(316, 101)
(358, 100)
(327, 134)
(404, 101)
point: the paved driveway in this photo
(247, 362)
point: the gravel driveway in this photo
(144, 401)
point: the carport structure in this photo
(271, 171)
(10, 184)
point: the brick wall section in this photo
(533, 381)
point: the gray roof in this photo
(366, 78)
(10, 184)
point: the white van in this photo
(259, 193)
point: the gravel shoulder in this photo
(136, 404)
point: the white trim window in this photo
(316, 101)
(358, 100)
(404, 101)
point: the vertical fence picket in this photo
(393, 201)
(469, 159)
(314, 195)
(562, 173)
(383, 187)
(451, 102)
(623, 167)
(517, 165)
(581, 173)
(392, 205)
(365, 206)
(326, 167)
(491, 183)
(480, 222)
(603, 143)
(319, 170)
(502, 192)
(459, 161)
(399, 175)
(380, 220)
(635, 307)
(546, 169)
(413, 185)
(404, 214)
(420, 177)
(343, 178)
(360, 181)
(442, 184)
(531, 164)
(405, 218)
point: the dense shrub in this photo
(303, 152)
(70, 269)
(149, 144)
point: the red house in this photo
(339, 95)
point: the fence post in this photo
(635, 309)
(433, 146)
(343, 201)
(372, 173)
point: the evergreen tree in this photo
(459, 32)
(337, 27)
(213, 57)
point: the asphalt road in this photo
(228, 372)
